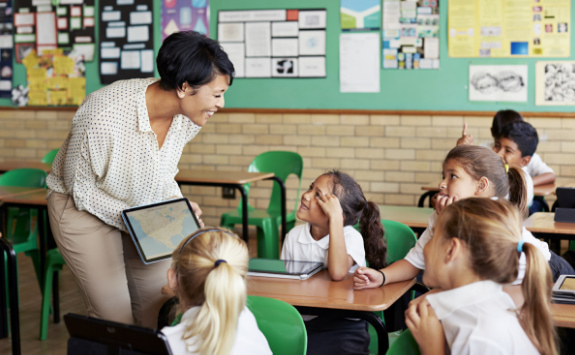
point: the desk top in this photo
(563, 315)
(220, 177)
(319, 291)
(542, 222)
(20, 164)
(36, 197)
(541, 190)
(8, 191)
(412, 216)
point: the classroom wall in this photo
(391, 156)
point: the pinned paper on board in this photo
(185, 15)
(6, 48)
(498, 83)
(274, 43)
(555, 83)
(360, 14)
(359, 62)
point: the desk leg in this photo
(8, 251)
(245, 235)
(284, 211)
(371, 318)
(3, 301)
(41, 225)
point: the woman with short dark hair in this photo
(123, 151)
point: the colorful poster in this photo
(500, 28)
(555, 83)
(56, 78)
(410, 34)
(360, 14)
(185, 15)
(126, 40)
(498, 83)
(47, 25)
(6, 48)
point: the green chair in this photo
(282, 164)
(49, 157)
(54, 263)
(405, 344)
(281, 324)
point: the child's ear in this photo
(454, 249)
(525, 160)
(172, 279)
(483, 185)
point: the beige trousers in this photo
(115, 283)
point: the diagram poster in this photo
(126, 40)
(360, 14)
(185, 15)
(498, 83)
(500, 28)
(46, 25)
(410, 34)
(555, 83)
(6, 48)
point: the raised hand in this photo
(465, 137)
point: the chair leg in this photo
(268, 241)
(46, 296)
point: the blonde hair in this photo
(483, 162)
(211, 267)
(491, 230)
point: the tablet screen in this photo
(287, 267)
(157, 229)
(568, 284)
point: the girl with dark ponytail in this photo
(331, 206)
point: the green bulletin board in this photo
(441, 90)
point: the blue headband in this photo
(218, 262)
(520, 246)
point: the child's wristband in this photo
(382, 275)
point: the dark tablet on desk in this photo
(101, 337)
(564, 290)
(287, 269)
(158, 228)
(565, 197)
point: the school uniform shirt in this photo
(537, 167)
(111, 160)
(529, 185)
(300, 245)
(415, 255)
(249, 338)
(480, 318)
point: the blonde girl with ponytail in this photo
(475, 251)
(208, 275)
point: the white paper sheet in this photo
(140, 18)
(247, 16)
(312, 42)
(147, 61)
(86, 49)
(6, 41)
(75, 11)
(311, 67)
(258, 67)
(138, 33)
(284, 47)
(130, 60)
(498, 83)
(359, 62)
(111, 16)
(116, 32)
(236, 53)
(46, 28)
(258, 39)
(285, 29)
(431, 48)
(24, 19)
(230, 32)
(312, 19)
(110, 53)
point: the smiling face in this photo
(508, 150)
(456, 181)
(309, 210)
(199, 105)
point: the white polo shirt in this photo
(480, 318)
(249, 338)
(415, 255)
(537, 167)
(300, 245)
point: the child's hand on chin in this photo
(425, 327)
(443, 201)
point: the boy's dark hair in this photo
(193, 58)
(356, 209)
(524, 135)
(501, 119)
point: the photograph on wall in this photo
(498, 83)
(126, 40)
(503, 29)
(410, 34)
(185, 15)
(274, 43)
(46, 25)
(6, 48)
(360, 15)
(555, 83)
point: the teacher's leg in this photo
(145, 283)
(94, 253)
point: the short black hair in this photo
(502, 118)
(191, 57)
(524, 135)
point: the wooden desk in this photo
(320, 295)
(414, 217)
(20, 164)
(563, 315)
(542, 225)
(234, 179)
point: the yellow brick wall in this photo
(391, 156)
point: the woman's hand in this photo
(425, 327)
(365, 277)
(443, 201)
(331, 206)
(196, 208)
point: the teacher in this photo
(123, 151)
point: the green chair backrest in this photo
(27, 177)
(49, 157)
(400, 239)
(405, 344)
(282, 164)
(281, 324)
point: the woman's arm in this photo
(400, 270)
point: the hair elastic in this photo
(507, 168)
(218, 262)
(520, 245)
(382, 275)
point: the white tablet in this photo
(565, 285)
(286, 269)
(158, 228)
